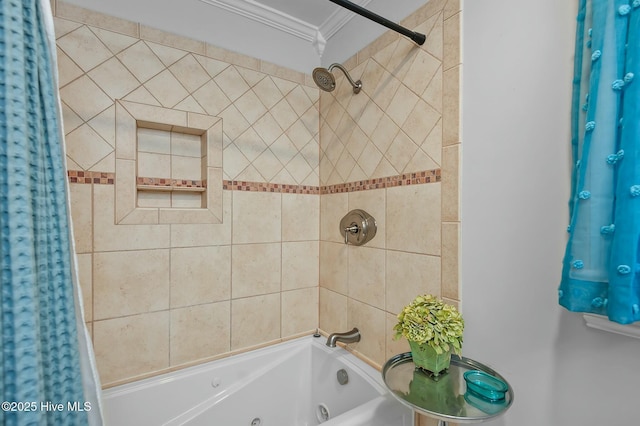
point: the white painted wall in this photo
(515, 187)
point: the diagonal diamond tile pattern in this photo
(267, 120)
(394, 125)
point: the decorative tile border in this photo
(427, 176)
(236, 185)
(417, 178)
(100, 178)
(175, 183)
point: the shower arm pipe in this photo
(357, 85)
(416, 37)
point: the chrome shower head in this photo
(324, 79)
(327, 82)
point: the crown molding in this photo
(276, 19)
(268, 16)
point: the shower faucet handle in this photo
(353, 229)
(358, 227)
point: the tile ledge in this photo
(600, 322)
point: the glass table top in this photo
(445, 397)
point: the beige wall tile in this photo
(256, 217)
(173, 40)
(452, 7)
(200, 275)
(166, 88)
(78, 14)
(255, 269)
(70, 119)
(333, 311)
(189, 72)
(282, 72)
(421, 72)
(84, 47)
(408, 275)
(186, 145)
(434, 44)
(130, 282)
(185, 215)
(126, 192)
(85, 98)
(154, 141)
(116, 41)
(186, 200)
(452, 41)
(419, 123)
(401, 105)
(141, 61)
(334, 273)
(86, 147)
(255, 320)
(199, 332)
(300, 217)
(333, 207)
(114, 78)
(189, 168)
(413, 218)
(451, 105)
(300, 264)
(126, 134)
(82, 217)
(154, 165)
(187, 235)
(299, 311)
(63, 26)
(130, 346)
(109, 237)
(366, 275)
(153, 199)
(371, 323)
(450, 182)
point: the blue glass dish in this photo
(485, 385)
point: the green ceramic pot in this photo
(425, 357)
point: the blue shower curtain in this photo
(46, 374)
(601, 268)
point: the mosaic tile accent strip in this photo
(235, 185)
(417, 178)
(82, 176)
(174, 183)
(427, 176)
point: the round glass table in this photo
(445, 397)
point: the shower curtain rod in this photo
(416, 37)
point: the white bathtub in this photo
(290, 384)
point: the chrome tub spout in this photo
(346, 337)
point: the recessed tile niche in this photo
(168, 166)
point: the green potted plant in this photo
(434, 331)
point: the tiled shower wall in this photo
(161, 296)
(158, 296)
(393, 151)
